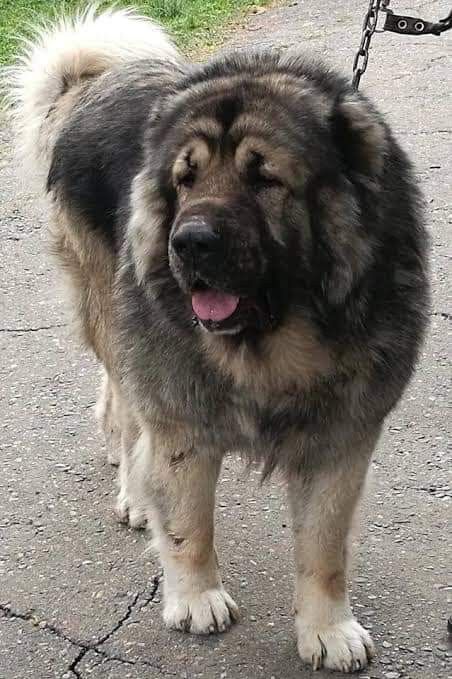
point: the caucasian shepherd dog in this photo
(244, 244)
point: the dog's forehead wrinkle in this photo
(204, 125)
(285, 133)
(225, 161)
(226, 97)
(228, 108)
(272, 156)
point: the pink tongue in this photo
(210, 305)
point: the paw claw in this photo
(345, 646)
(135, 517)
(209, 612)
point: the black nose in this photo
(196, 241)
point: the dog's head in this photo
(251, 195)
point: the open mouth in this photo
(228, 313)
(215, 310)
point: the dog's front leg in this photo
(322, 504)
(181, 480)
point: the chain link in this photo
(394, 23)
(369, 28)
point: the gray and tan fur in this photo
(257, 180)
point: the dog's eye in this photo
(187, 179)
(185, 172)
(259, 175)
(266, 181)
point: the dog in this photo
(244, 243)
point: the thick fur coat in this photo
(244, 243)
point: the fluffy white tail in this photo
(63, 53)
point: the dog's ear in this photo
(359, 135)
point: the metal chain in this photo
(394, 23)
(369, 27)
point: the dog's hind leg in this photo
(108, 418)
(121, 431)
(132, 507)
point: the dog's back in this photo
(78, 132)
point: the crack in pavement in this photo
(439, 492)
(416, 133)
(145, 663)
(85, 647)
(443, 314)
(35, 329)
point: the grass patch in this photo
(193, 23)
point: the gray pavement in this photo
(80, 594)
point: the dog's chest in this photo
(264, 422)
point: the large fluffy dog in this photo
(244, 245)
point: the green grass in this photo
(194, 24)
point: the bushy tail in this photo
(60, 55)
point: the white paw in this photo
(345, 646)
(208, 612)
(130, 513)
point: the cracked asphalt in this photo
(80, 594)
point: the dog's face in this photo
(258, 212)
(227, 240)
